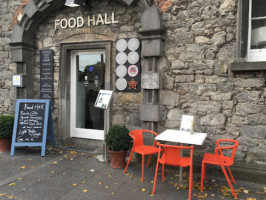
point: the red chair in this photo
(220, 159)
(140, 148)
(171, 156)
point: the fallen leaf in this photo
(20, 179)
(106, 187)
(110, 175)
(131, 176)
(54, 162)
(22, 167)
(251, 198)
(100, 183)
(12, 184)
(151, 181)
(245, 191)
(74, 184)
(143, 190)
(213, 195)
(2, 194)
(11, 197)
(83, 182)
(85, 190)
(92, 170)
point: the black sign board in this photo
(47, 74)
(31, 123)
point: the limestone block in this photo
(150, 113)
(257, 119)
(221, 96)
(150, 81)
(248, 96)
(249, 83)
(169, 98)
(30, 9)
(152, 47)
(205, 106)
(213, 120)
(253, 131)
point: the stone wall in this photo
(7, 93)
(199, 47)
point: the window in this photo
(257, 31)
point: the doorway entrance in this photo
(87, 78)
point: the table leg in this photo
(181, 169)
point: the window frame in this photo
(254, 55)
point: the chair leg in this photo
(230, 173)
(190, 181)
(203, 174)
(130, 156)
(148, 161)
(162, 172)
(142, 168)
(155, 177)
(229, 182)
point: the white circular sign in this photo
(121, 71)
(133, 70)
(133, 57)
(133, 44)
(121, 58)
(121, 84)
(121, 45)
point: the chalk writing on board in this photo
(30, 122)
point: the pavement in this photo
(69, 174)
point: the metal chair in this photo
(220, 159)
(171, 156)
(140, 148)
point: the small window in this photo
(257, 31)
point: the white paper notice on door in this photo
(186, 123)
(103, 99)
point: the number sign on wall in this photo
(32, 119)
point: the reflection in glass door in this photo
(87, 78)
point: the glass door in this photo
(87, 78)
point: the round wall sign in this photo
(121, 71)
(121, 58)
(133, 44)
(121, 84)
(133, 70)
(121, 45)
(133, 57)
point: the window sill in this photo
(248, 66)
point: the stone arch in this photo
(35, 11)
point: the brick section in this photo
(18, 12)
(163, 5)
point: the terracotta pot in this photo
(117, 158)
(5, 144)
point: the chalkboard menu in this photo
(30, 122)
(47, 74)
(32, 119)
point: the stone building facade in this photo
(190, 64)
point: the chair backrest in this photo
(228, 145)
(137, 136)
(172, 154)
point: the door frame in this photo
(80, 132)
(65, 82)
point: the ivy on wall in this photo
(163, 5)
(19, 12)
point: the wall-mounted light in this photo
(74, 3)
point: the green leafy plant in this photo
(6, 126)
(117, 138)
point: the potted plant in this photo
(118, 143)
(6, 130)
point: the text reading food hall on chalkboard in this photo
(32, 119)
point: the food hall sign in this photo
(79, 22)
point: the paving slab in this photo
(72, 175)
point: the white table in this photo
(171, 135)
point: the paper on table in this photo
(186, 123)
